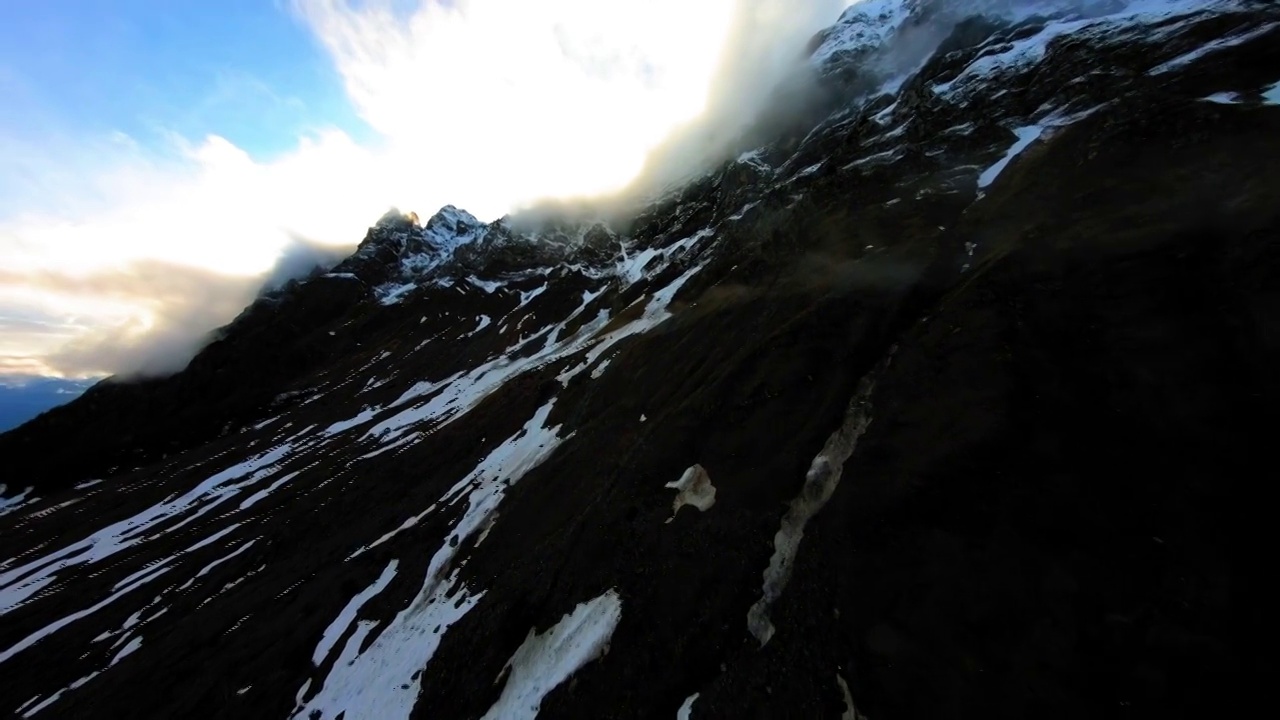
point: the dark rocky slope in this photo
(1024, 409)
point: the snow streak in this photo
(819, 484)
(544, 661)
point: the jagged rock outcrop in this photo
(983, 366)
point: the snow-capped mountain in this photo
(956, 403)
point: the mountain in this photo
(22, 398)
(954, 400)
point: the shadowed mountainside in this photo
(981, 369)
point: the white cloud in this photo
(486, 104)
(108, 243)
(207, 205)
(499, 103)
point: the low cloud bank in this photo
(183, 305)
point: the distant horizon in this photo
(22, 398)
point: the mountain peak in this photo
(393, 219)
(449, 223)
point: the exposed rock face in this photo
(434, 482)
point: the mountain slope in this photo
(978, 370)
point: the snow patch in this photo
(1021, 53)
(261, 494)
(631, 266)
(1271, 95)
(742, 212)
(383, 681)
(127, 650)
(485, 321)
(47, 511)
(883, 117)
(812, 169)
(1186, 59)
(340, 624)
(686, 709)
(488, 286)
(393, 293)
(411, 522)
(1126, 15)
(527, 295)
(50, 629)
(599, 369)
(850, 710)
(1223, 98)
(1026, 136)
(391, 447)
(655, 313)
(453, 397)
(693, 488)
(17, 586)
(58, 695)
(819, 484)
(365, 416)
(209, 568)
(542, 662)
(881, 158)
(8, 505)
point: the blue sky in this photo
(247, 70)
